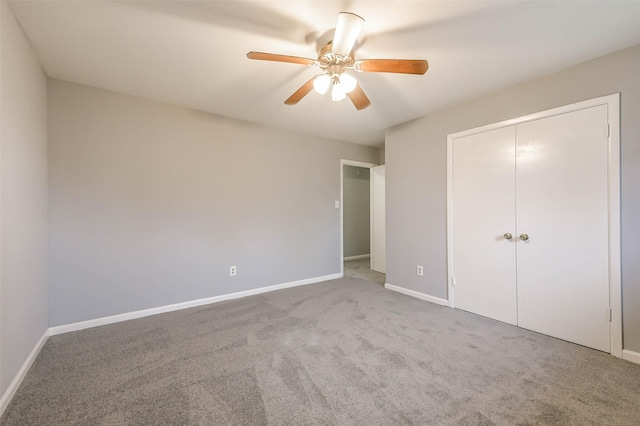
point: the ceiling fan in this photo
(336, 58)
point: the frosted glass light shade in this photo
(348, 83)
(337, 92)
(347, 31)
(321, 83)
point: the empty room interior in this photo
(319, 212)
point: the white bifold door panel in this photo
(484, 193)
(530, 225)
(561, 187)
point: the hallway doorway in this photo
(361, 244)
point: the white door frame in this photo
(615, 280)
(357, 164)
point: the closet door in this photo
(483, 211)
(561, 186)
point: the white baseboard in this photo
(417, 294)
(66, 328)
(360, 256)
(15, 384)
(631, 356)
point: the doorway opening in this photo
(362, 232)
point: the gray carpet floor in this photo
(342, 352)
(360, 268)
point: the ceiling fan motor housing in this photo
(332, 63)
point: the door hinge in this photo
(453, 281)
(609, 314)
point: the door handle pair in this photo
(523, 237)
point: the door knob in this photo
(507, 236)
(524, 237)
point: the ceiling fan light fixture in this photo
(321, 83)
(347, 32)
(337, 57)
(348, 83)
(337, 92)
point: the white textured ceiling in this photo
(192, 53)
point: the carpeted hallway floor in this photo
(341, 352)
(361, 268)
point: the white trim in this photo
(615, 281)
(360, 256)
(609, 100)
(66, 328)
(17, 380)
(343, 163)
(451, 294)
(615, 270)
(417, 294)
(631, 356)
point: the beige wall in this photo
(150, 204)
(23, 196)
(416, 173)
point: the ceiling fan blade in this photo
(347, 30)
(300, 93)
(261, 56)
(359, 99)
(402, 66)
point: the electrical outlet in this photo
(419, 270)
(232, 271)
